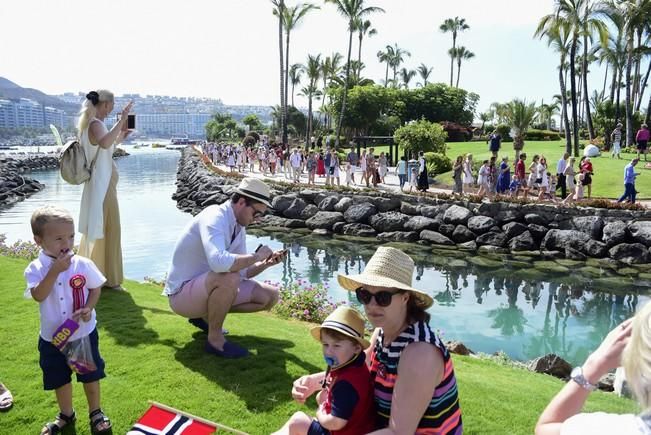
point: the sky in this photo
(229, 49)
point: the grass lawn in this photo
(608, 181)
(152, 354)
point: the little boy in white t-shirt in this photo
(67, 287)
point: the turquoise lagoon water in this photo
(523, 314)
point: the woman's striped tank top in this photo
(443, 415)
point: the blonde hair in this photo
(89, 110)
(48, 213)
(636, 358)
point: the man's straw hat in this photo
(254, 189)
(344, 320)
(388, 267)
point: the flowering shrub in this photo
(302, 300)
(20, 249)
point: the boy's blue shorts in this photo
(317, 429)
(57, 373)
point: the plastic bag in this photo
(78, 353)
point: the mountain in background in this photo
(11, 91)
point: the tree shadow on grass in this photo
(123, 319)
(261, 379)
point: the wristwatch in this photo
(577, 376)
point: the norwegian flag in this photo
(163, 420)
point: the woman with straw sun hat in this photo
(407, 359)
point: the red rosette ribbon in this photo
(77, 282)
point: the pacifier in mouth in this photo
(331, 361)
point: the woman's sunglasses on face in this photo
(382, 298)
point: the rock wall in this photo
(15, 186)
(545, 230)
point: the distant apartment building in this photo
(29, 113)
(169, 124)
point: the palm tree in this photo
(406, 76)
(520, 114)
(485, 117)
(424, 72)
(351, 10)
(295, 77)
(462, 54)
(330, 67)
(546, 112)
(292, 16)
(590, 24)
(386, 57)
(279, 11)
(313, 71)
(363, 29)
(397, 58)
(566, 20)
(453, 25)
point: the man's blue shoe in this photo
(231, 350)
(203, 325)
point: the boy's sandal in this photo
(6, 399)
(56, 426)
(100, 424)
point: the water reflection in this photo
(489, 309)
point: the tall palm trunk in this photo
(309, 123)
(458, 71)
(575, 118)
(285, 109)
(283, 117)
(613, 83)
(642, 88)
(603, 90)
(454, 44)
(359, 51)
(386, 76)
(617, 97)
(647, 121)
(565, 119)
(629, 107)
(636, 76)
(343, 101)
(586, 98)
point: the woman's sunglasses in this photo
(382, 298)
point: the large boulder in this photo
(430, 211)
(328, 203)
(558, 240)
(538, 232)
(596, 249)
(514, 229)
(457, 215)
(462, 234)
(492, 238)
(360, 212)
(446, 230)
(281, 202)
(389, 221)
(533, 218)
(408, 208)
(434, 237)
(398, 236)
(522, 242)
(309, 195)
(324, 220)
(614, 233)
(480, 224)
(387, 204)
(361, 230)
(641, 232)
(591, 151)
(551, 364)
(309, 211)
(295, 209)
(343, 204)
(506, 216)
(420, 223)
(591, 225)
(629, 253)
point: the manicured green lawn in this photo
(152, 354)
(608, 181)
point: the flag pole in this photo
(199, 419)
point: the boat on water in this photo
(157, 145)
(183, 141)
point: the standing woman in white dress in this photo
(99, 216)
(468, 179)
